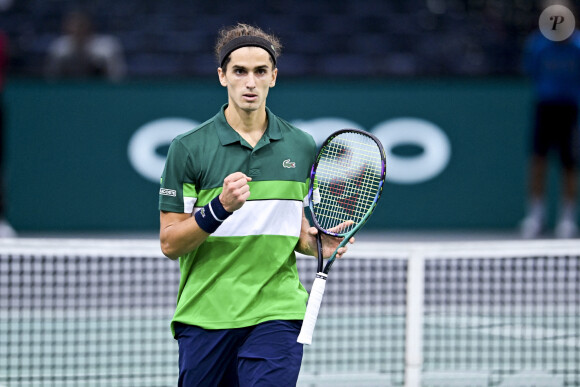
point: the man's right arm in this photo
(179, 232)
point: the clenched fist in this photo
(235, 191)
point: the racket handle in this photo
(314, 301)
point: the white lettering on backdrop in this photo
(408, 131)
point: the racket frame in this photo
(360, 224)
(319, 284)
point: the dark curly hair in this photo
(228, 33)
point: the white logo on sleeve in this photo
(167, 192)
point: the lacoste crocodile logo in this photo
(289, 164)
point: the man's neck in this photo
(251, 125)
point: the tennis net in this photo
(97, 313)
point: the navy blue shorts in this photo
(266, 354)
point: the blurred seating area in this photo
(389, 38)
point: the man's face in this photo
(248, 77)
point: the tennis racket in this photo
(345, 185)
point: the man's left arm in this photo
(307, 242)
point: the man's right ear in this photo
(222, 77)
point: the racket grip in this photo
(314, 301)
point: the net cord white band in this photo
(312, 308)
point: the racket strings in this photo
(349, 176)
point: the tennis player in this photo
(231, 203)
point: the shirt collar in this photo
(228, 135)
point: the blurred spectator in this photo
(554, 67)
(6, 231)
(80, 53)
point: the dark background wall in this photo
(454, 64)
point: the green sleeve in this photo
(177, 192)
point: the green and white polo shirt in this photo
(244, 273)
